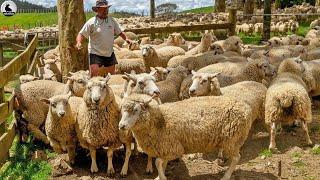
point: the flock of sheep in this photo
(173, 97)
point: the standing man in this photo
(100, 30)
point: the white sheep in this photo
(28, 95)
(60, 123)
(27, 78)
(127, 65)
(206, 41)
(287, 99)
(186, 127)
(96, 123)
(159, 57)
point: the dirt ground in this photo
(297, 160)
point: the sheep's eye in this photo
(53, 105)
(80, 81)
(141, 83)
(133, 85)
(204, 81)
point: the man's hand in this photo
(79, 45)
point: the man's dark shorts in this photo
(102, 60)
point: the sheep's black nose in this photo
(62, 114)
(121, 127)
(192, 91)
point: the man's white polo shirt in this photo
(100, 33)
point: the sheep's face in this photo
(160, 73)
(50, 76)
(134, 113)
(79, 81)
(130, 113)
(207, 38)
(266, 69)
(142, 84)
(97, 89)
(147, 51)
(27, 78)
(216, 48)
(202, 83)
(134, 46)
(58, 105)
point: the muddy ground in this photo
(297, 160)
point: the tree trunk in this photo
(71, 18)
(220, 6)
(152, 9)
(317, 3)
(248, 8)
(266, 20)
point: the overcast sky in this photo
(135, 5)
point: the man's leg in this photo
(110, 69)
(94, 70)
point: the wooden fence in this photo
(231, 25)
(23, 63)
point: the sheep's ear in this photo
(152, 69)
(249, 59)
(125, 77)
(169, 69)
(69, 95)
(133, 72)
(131, 77)
(193, 72)
(211, 76)
(71, 73)
(152, 73)
(107, 78)
(46, 101)
(88, 72)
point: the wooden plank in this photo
(3, 112)
(34, 63)
(178, 28)
(1, 55)
(6, 142)
(14, 67)
(10, 105)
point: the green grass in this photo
(208, 9)
(315, 150)
(299, 164)
(10, 54)
(31, 20)
(296, 155)
(20, 165)
(266, 153)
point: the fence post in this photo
(266, 20)
(3, 125)
(232, 20)
(1, 55)
(152, 35)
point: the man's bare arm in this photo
(79, 40)
(124, 37)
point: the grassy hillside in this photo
(30, 20)
(208, 9)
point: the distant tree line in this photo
(26, 7)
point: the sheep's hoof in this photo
(110, 172)
(94, 169)
(220, 162)
(123, 174)
(274, 150)
(149, 171)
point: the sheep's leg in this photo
(159, 164)
(110, 170)
(149, 169)
(273, 130)
(37, 133)
(71, 153)
(55, 145)
(94, 167)
(234, 161)
(305, 128)
(220, 160)
(124, 170)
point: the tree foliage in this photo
(166, 8)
